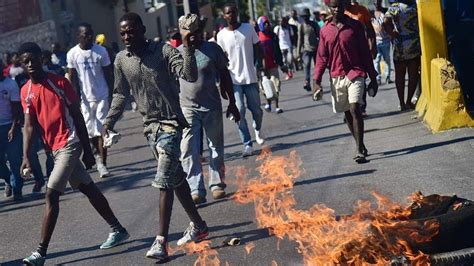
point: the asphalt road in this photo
(405, 157)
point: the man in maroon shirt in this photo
(344, 49)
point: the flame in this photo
(372, 235)
(207, 256)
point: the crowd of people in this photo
(65, 104)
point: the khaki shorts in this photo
(344, 92)
(68, 167)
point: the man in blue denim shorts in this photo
(147, 71)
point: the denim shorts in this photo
(165, 145)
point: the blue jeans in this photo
(165, 147)
(253, 104)
(383, 51)
(308, 58)
(13, 152)
(211, 122)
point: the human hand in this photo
(11, 134)
(105, 131)
(317, 91)
(372, 88)
(185, 37)
(223, 93)
(25, 169)
(234, 111)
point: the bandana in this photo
(261, 23)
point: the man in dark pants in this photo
(51, 107)
(459, 19)
(308, 38)
(344, 48)
(148, 70)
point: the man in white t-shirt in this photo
(89, 67)
(285, 34)
(239, 41)
(10, 137)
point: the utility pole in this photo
(187, 7)
(252, 10)
(125, 6)
(191, 7)
(267, 8)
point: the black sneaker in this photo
(8, 191)
(37, 187)
(17, 197)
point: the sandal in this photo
(365, 152)
(360, 158)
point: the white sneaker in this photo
(158, 249)
(259, 137)
(134, 106)
(103, 172)
(248, 151)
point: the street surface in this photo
(404, 157)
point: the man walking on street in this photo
(10, 137)
(344, 48)
(294, 22)
(202, 108)
(383, 46)
(148, 70)
(308, 38)
(360, 13)
(51, 107)
(239, 41)
(285, 33)
(89, 66)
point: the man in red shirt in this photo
(51, 106)
(344, 49)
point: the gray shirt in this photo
(203, 93)
(308, 37)
(152, 80)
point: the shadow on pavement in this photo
(286, 146)
(133, 163)
(127, 149)
(413, 149)
(333, 177)
(306, 107)
(227, 197)
(293, 133)
(143, 244)
(127, 181)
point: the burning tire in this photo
(460, 257)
